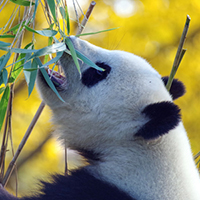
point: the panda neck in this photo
(158, 171)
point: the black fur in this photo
(80, 185)
(163, 117)
(91, 76)
(177, 88)
(91, 156)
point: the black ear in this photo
(163, 117)
(177, 88)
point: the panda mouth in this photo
(57, 79)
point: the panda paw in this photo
(164, 116)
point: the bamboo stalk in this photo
(86, 17)
(179, 54)
(21, 145)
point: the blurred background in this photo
(151, 29)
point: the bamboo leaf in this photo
(36, 5)
(28, 74)
(88, 61)
(65, 15)
(73, 53)
(49, 49)
(14, 29)
(30, 70)
(4, 44)
(5, 60)
(5, 76)
(68, 22)
(92, 33)
(33, 75)
(4, 48)
(52, 7)
(18, 65)
(2, 90)
(3, 105)
(48, 80)
(48, 33)
(22, 2)
(7, 36)
(58, 56)
(62, 12)
(17, 50)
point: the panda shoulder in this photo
(79, 185)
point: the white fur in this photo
(105, 117)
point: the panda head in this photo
(127, 102)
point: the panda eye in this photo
(91, 76)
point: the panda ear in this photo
(163, 117)
(177, 88)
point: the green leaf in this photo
(48, 33)
(52, 7)
(68, 21)
(49, 49)
(56, 40)
(48, 80)
(30, 29)
(62, 12)
(50, 40)
(14, 29)
(4, 48)
(5, 76)
(36, 5)
(58, 56)
(17, 68)
(4, 44)
(1, 59)
(30, 70)
(73, 53)
(31, 76)
(88, 61)
(3, 105)
(7, 36)
(5, 60)
(17, 50)
(92, 33)
(18, 65)
(65, 15)
(2, 90)
(22, 2)
(1, 78)
(27, 65)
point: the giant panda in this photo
(124, 121)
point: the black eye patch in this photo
(91, 76)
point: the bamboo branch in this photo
(21, 145)
(86, 17)
(179, 54)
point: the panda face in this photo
(103, 107)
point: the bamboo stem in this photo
(179, 54)
(21, 145)
(86, 17)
